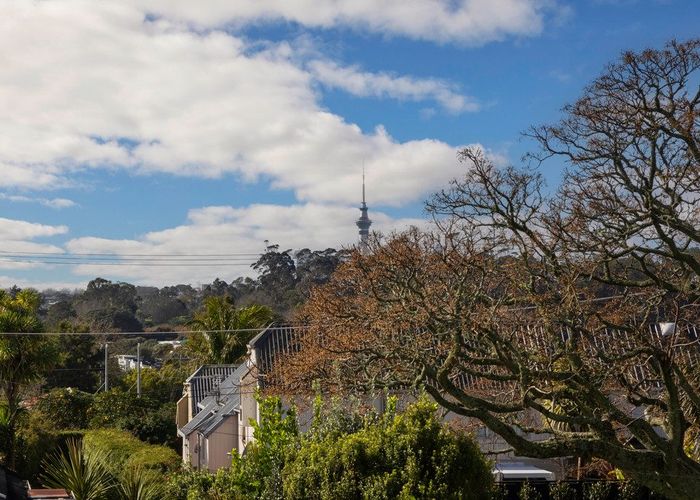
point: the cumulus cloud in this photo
(55, 203)
(229, 230)
(89, 85)
(19, 236)
(361, 83)
(471, 22)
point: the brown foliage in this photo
(539, 314)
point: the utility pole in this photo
(138, 369)
(106, 367)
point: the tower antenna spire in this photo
(363, 183)
(364, 222)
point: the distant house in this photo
(128, 362)
(213, 416)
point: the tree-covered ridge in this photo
(283, 281)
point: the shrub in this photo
(126, 451)
(66, 408)
(561, 491)
(144, 417)
(406, 455)
(528, 492)
(598, 490)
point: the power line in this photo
(142, 334)
(123, 264)
(95, 254)
(182, 258)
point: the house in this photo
(213, 416)
(128, 362)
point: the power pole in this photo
(138, 369)
(106, 367)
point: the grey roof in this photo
(222, 401)
(204, 381)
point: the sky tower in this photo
(364, 222)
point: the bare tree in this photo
(562, 321)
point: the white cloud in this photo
(56, 203)
(366, 84)
(9, 281)
(12, 230)
(18, 236)
(471, 22)
(229, 230)
(89, 85)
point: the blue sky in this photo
(175, 127)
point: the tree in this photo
(225, 329)
(23, 358)
(497, 311)
(80, 362)
(109, 306)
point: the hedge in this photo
(126, 451)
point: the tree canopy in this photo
(569, 314)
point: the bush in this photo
(561, 491)
(65, 408)
(599, 490)
(528, 492)
(406, 455)
(126, 451)
(144, 417)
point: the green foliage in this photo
(65, 408)
(561, 491)
(408, 455)
(109, 307)
(144, 416)
(528, 492)
(217, 345)
(128, 452)
(598, 490)
(163, 384)
(79, 471)
(23, 358)
(629, 490)
(154, 457)
(189, 484)
(81, 360)
(140, 484)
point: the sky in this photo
(138, 139)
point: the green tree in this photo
(24, 359)
(217, 343)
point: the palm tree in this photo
(84, 474)
(23, 358)
(225, 330)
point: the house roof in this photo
(222, 401)
(205, 381)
